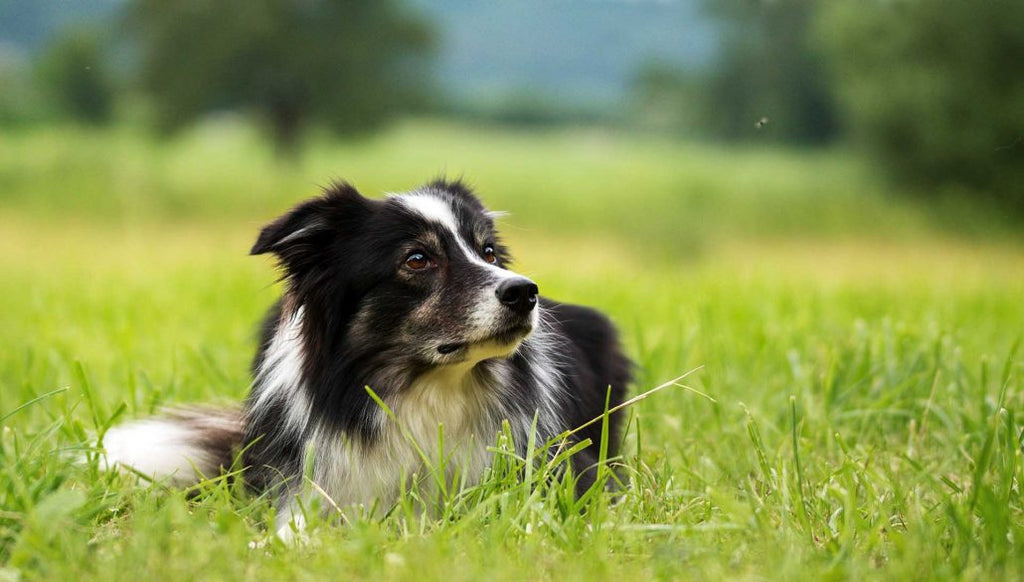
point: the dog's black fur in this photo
(411, 297)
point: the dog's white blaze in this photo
(430, 206)
(280, 374)
(437, 208)
(162, 449)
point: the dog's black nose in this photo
(519, 294)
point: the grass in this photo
(864, 366)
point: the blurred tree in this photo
(769, 78)
(933, 88)
(73, 73)
(347, 64)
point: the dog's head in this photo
(419, 277)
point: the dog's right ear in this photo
(312, 224)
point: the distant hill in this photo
(574, 52)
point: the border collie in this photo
(411, 297)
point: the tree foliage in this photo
(933, 89)
(349, 65)
(769, 77)
(73, 74)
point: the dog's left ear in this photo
(312, 224)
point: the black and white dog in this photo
(411, 297)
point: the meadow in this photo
(855, 357)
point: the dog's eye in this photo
(418, 261)
(489, 255)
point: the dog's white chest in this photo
(440, 428)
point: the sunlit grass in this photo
(865, 380)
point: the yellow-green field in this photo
(861, 363)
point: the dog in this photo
(400, 318)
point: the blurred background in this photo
(816, 199)
(725, 114)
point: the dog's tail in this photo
(180, 448)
